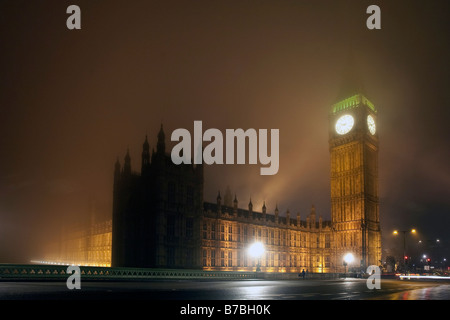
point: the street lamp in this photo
(348, 258)
(396, 232)
(256, 250)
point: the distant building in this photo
(84, 244)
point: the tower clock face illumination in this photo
(371, 124)
(344, 124)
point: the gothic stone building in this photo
(157, 212)
(291, 245)
(161, 220)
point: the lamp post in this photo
(396, 232)
(333, 230)
(256, 250)
(348, 258)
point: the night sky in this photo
(73, 101)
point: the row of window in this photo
(245, 233)
(223, 258)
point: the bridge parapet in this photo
(59, 272)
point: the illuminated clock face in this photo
(371, 124)
(344, 124)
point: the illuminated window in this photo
(327, 261)
(213, 231)
(327, 241)
(213, 258)
(204, 257)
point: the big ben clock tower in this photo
(353, 143)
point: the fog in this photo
(72, 102)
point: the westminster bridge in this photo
(59, 272)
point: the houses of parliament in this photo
(160, 219)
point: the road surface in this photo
(339, 289)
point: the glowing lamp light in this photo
(256, 250)
(348, 258)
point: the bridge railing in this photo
(59, 272)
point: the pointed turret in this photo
(276, 213)
(117, 171)
(219, 199)
(145, 145)
(145, 156)
(313, 217)
(219, 204)
(127, 164)
(161, 145)
(264, 209)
